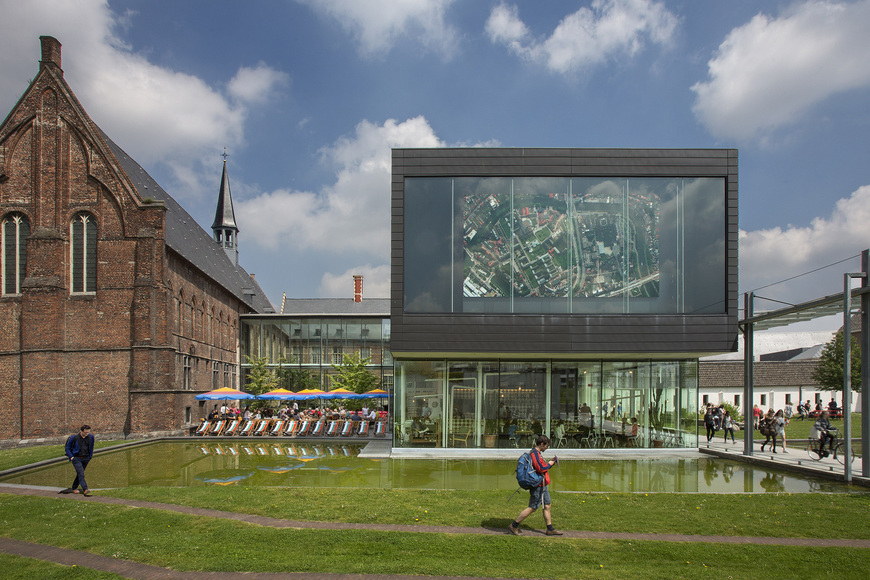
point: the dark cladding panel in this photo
(706, 323)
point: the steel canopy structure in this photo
(849, 302)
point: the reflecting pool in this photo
(268, 463)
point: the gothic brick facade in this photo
(102, 319)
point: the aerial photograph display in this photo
(600, 242)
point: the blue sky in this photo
(309, 96)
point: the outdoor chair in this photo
(347, 429)
(333, 429)
(217, 427)
(380, 428)
(292, 426)
(277, 427)
(261, 427)
(203, 428)
(232, 427)
(304, 428)
(247, 427)
(317, 431)
(363, 429)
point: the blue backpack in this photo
(527, 477)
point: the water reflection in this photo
(266, 463)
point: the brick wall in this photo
(106, 358)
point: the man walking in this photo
(539, 495)
(80, 450)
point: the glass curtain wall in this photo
(303, 350)
(506, 404)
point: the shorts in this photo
(539, 495)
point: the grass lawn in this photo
(185, 542)
(20, 568)
(196, 543)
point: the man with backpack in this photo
(538, 494)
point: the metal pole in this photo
(847, 375)
(865, 365)
(748, 396)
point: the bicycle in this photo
(814, 450)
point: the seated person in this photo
(827, 432)
(833, 405)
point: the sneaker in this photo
(554, 533)
(514, 530)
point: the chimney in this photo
(357, 287)
(50, 53)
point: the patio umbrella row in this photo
(285, 395)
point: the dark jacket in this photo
(72, 446)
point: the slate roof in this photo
(224, 217)
(793, 373)
(186, 238)
(337, 307)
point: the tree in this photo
(260, 377)
(294, 379)
(353, 375)
(829, 372)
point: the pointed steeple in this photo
(226, 232)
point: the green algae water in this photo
(285, 464)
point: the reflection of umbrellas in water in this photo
(305, 455)
(284, 468)
(336, 468)
(224, 476)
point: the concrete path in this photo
(796, 459)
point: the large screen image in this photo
(596, 239)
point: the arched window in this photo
(16, 228)
(83, 253)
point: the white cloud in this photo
(769, 72)
(776, 254)
(156, 114)
(378, 25)
(588, 37)
(256, 85)
(352, 215)
(376, 282)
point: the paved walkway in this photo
(796, 459)
(135, 570)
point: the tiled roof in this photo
(337, 307)
(714, 374)
(186, 238)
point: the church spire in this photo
(226, 232)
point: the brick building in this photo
(116, 308)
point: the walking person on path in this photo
(80, 449)
(779, 429)
(728, 426)
(539, 495)
(767, 427)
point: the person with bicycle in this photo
(827, 433)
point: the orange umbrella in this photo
(277, 394)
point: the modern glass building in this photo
(310, 336)
(560, 291)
